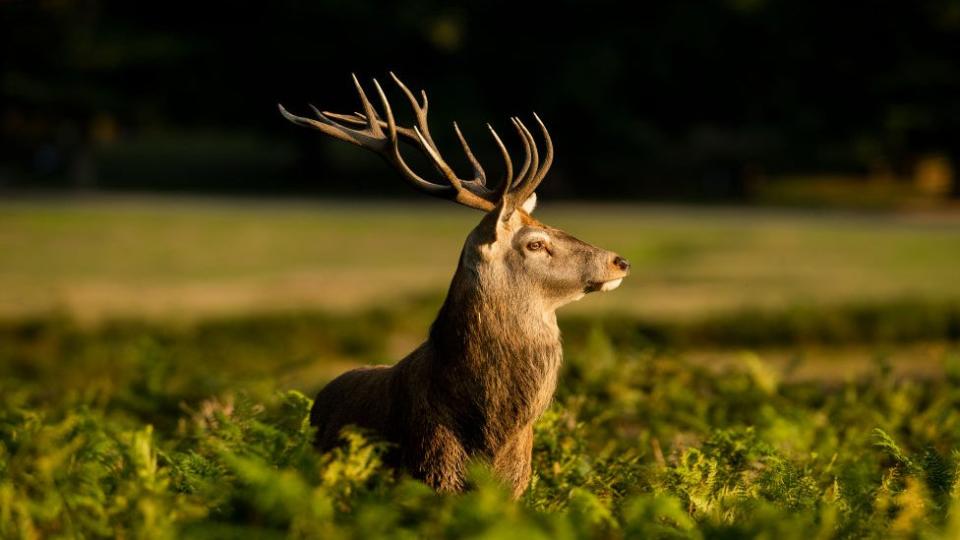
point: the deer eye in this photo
(536, 245)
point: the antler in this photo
(368, 130)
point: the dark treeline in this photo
(666, 100)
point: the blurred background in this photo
(727, 100)
(790, 167)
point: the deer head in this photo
(510, 255)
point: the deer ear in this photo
(504, 212)
(507, 206)
(496, 225)
(530, 204)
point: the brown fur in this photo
(489, 368)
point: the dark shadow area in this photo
(711, 101)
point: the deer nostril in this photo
(621, 263)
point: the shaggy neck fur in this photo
(496, 355)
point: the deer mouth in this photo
(603, 286)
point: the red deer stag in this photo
(488, 369)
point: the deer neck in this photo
(496, 358)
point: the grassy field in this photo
(761, 374)
(173, 258)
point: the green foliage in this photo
(637, 445)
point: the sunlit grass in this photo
(196, 257)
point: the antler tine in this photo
(526, 149)
(477, 167)
(522, 183)
(548, 158)
(391, 123)
(507, 182)
(357, 118)
(420, 111)
(368, 109)
(333, 129)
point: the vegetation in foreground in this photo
(138, 431)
